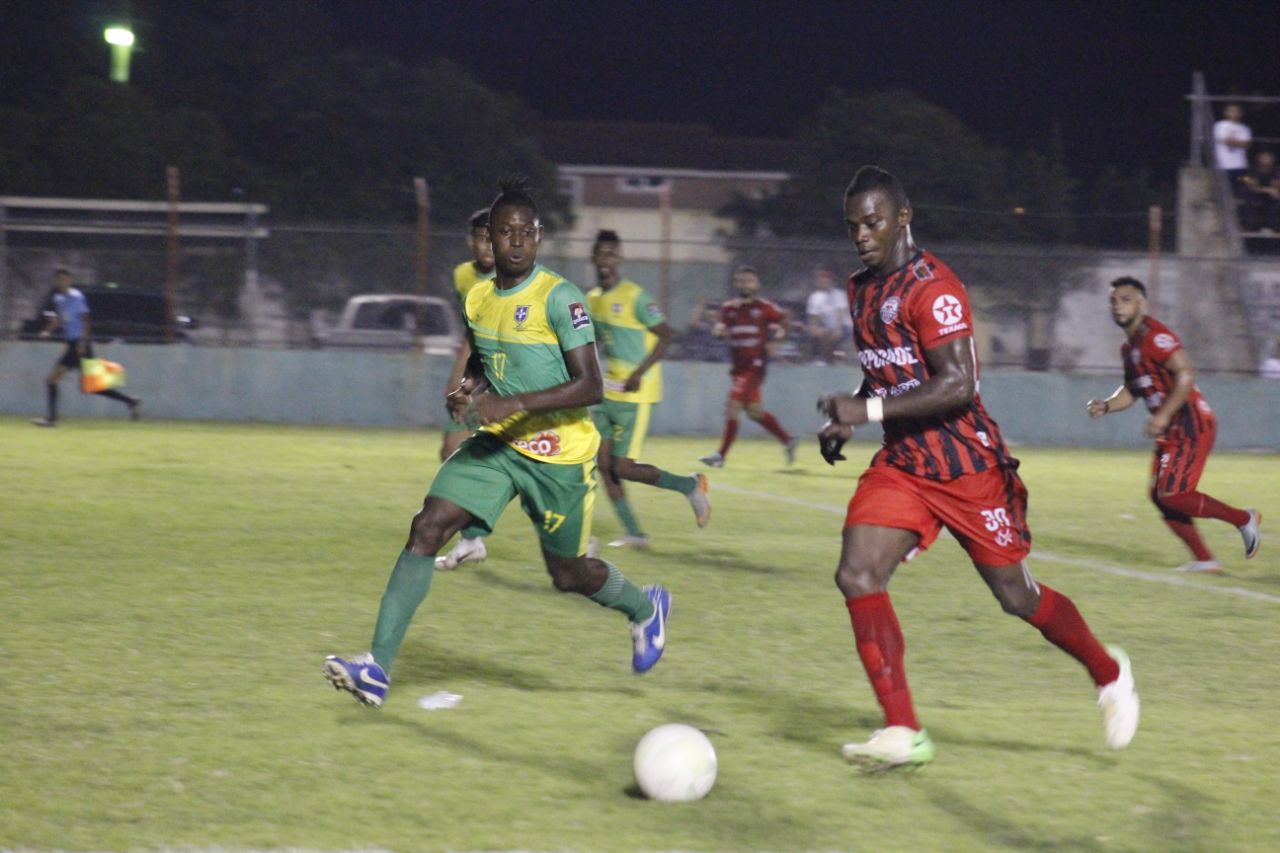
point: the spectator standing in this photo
(827, 319)
(1260, 194)
(1270, 368)
(1231, 138)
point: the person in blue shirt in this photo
(70, 318)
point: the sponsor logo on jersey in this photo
(1164, 341)
(881, 357)
(955, 327)
(889, 310)
(922, 270)
(947, 310)
(522, 316)
(903, 387)
(543, 444)
(1134, 356)
(578, 316)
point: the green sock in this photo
(627, 518)
(618, 593)
(474, 531)
(676, 483)
(406, 588)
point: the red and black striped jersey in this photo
(1149, 379)
(896, 318)
(747, 323)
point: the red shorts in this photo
(1179, 461)
(746, 387)
(986, 512)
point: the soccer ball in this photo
(675, 763)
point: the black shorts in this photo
(71, 355)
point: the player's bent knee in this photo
(569, 574)
(859, 577)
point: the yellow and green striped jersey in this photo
(623, 314)
(521, 335)
(465, 277)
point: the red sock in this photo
(1186, 531)
(879, 639)
(1061, 623)
(1200, 505)
(769, 422)
(729, 434)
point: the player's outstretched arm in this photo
(1119, 400)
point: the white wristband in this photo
(875, 409)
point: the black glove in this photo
(830, 446)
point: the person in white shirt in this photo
(1231, 138)
(827, 318)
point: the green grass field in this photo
(168, 590)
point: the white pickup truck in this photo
(395, 321)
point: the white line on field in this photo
(1038, 553)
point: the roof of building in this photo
(659, 145)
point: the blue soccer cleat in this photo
(649, 638)
(361, 676)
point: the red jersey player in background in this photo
(1158, 371)
(943, 464)
(751, 324)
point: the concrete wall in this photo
(394, 390)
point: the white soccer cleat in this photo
(895, 746)
(1210, 566)
(1249, 532)
(465, 551)
(714, 460)
(641, 542)
(790, 450)
(1119, 703)
(699, 500)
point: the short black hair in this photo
(1130, 281)
(514, 191)
(605, 235)
(62, 268)
(746, 268)
(872, 178)
(479, 219)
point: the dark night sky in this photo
(1113, 75)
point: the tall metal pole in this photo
(422, 195)
(172, 249)
(664, 247)
(1155, 226)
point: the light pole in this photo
(121, 41)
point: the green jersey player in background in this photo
(633, 335)
(532, 375)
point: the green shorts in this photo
(625, 425)
(484, 474)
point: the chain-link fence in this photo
(1037, 307)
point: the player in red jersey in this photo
(943, 464)
(751, 324)
(1158, 371)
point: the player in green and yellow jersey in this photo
(532, 375)
(470, 546)
(633, 335)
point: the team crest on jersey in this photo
(617, 307)
(578, 316)
(889, 310)
(922, 270)
(522, 316)
(1164, 341)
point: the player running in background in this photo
(943, 464)
(749, 323)
(532, 375)
(633, 335)
(1158, 371)
(466, 275)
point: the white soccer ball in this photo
(675, 763)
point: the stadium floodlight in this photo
(121, 41)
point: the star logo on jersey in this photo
(889, 310)
(522, 316)
(947, 310)
(1163, 341)
(578, 316)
